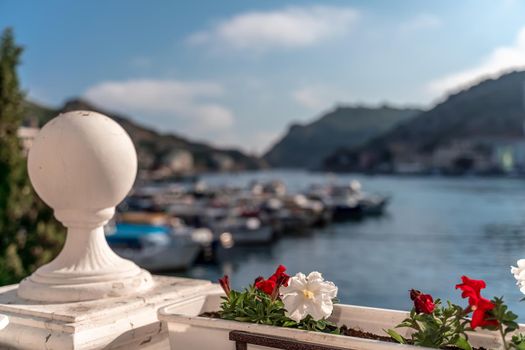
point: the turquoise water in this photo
(435, 230)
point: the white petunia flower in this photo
(310, 295)
(519, 274)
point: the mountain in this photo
(305, 146)
(477, 120)
(37, 114)
(152, 146)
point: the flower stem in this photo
(505, 345)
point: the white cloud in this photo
(501, 59)
(317, 98)
(190, 104)
(263, 140)
(308, 97)
(287, 28)
(420, 22)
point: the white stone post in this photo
(82, 164)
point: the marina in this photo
(237, 237)
(169, 226)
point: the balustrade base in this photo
(111, 323)
(64, 292)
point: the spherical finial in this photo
(82, 164)
(82, 160)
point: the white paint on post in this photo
(4, 321)
(82, 164)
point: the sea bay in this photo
(435, 229)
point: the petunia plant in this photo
(306, 302)
(519, 274)
(434, 325)
(438, 326)
(303, 302)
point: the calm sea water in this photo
(435, 230)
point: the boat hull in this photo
(175, 256)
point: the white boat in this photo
(157, 248)
(349, 201)
(242, 231)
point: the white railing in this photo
(82, 164)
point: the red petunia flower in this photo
(479, 316)
(471, 288)
(264, 285)
(280, 274)
(423, 303)
(225, 284)
(479, 305)
(271, 285)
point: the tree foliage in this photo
(29, 235)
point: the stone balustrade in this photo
(82, 164)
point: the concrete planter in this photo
(189, 331)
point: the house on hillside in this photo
(179, 161)
(509, 154)
(27, 134)
(481, 155)
(222, 162)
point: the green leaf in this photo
(463, 344)
(520, 346)
(518, 341)
(511, 327)
(404, 324)
(396, 336)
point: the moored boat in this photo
(242, 231)
(349, 202)
(155, 247)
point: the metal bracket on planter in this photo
(242, 339)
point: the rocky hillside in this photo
(306, 146)
(153, 146)
(493, 109)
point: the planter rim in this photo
(371, 317)
(164, 314)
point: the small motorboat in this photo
(144, 218)
(156, 247)
(287, 216)
(242, 231)
(373, 205)
(350, 202)
(348, 209)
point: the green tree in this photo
(29, 235)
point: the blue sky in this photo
(239, 72)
